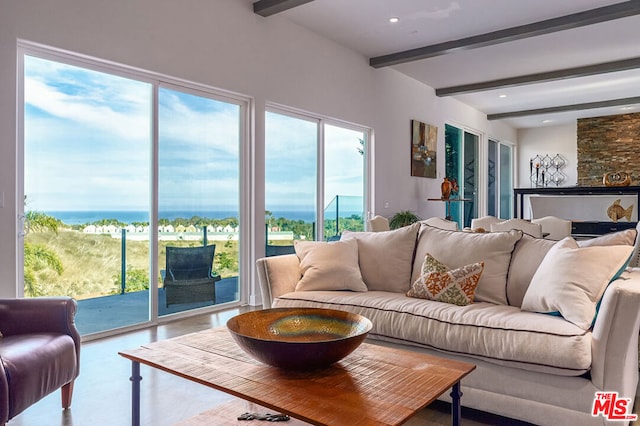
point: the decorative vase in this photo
(616, 179)
(445, 188)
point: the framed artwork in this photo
(424, 139)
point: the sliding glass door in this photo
(505, 153)
(119, 164)
(461, 163)
(198, 198)
(500, 180)
(87, 169)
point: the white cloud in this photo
(130, 125)
(88, 146)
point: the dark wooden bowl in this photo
(299, 338)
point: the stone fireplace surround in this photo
(608, 144)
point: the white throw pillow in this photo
(329, 266)
(457, 249)
(530, 252)
(386, 257)
(572, 279)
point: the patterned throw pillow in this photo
(438, 282)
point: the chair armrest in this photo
(614, 346)
(39, 315)
(277, 275)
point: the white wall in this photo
(222, 43)
(551, 140)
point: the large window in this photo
(306, 156)
(119, 164)
(291, 154)
(344, 171)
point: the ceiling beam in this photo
(565, 108)
(271, 7)
(603, 68)
(575, 20)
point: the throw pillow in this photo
(386, 257)
(525, 259)
(458, 249)
(530, 252)
(438, 282)
(572, 279)
(329, 266)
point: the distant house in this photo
(167, 228)
(89, 229)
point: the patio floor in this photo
(120, 310)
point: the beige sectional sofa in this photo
(551, 323)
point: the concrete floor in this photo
(102, 395)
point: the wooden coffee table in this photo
(374, 385)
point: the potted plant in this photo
(403, 218)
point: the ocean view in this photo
(129, 216)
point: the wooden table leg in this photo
(456, 410)
(135, 393)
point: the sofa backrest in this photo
(456, 249)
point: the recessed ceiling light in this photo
(502, 96)
(546, 121)
(394, 19)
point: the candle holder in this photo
(545, 169)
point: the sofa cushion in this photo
(456, 249)
(571, 280)
(441, 283)
(529, 252)
(499, 334)
(386, 257)
(329, 266)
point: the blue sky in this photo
(88, 143)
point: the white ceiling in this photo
(363, 25)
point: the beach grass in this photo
(92, 262)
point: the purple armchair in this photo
(39, 352)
